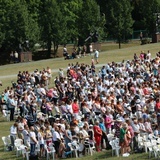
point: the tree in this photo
(143, 14)
(70, 10)
(90, 20)
(119, 21)
(52, 24)
(17, 26)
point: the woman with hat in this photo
(117, 126)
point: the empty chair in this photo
(17, 144)
(149, 148)
(110, 137)
(115, 147)
(75, 147)
(25, 152)
(50, 151)
(140, 142)
(37, 150)
(71, 148)
(6, 143)
(156, 151)
(89, 147)
(7, 112)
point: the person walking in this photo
(96, 55)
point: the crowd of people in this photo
(86, 105)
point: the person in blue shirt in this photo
(104, 134)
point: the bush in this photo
(145, 41)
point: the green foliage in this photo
(90, 19)
(143, 14)
(17, 26)
(145, 41)
(119, 19)
(54, 22)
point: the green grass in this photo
(109, 53)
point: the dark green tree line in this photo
(54, 22)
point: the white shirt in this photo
(33, 135)
(69, 108)
(13, 130)
(96, 54)
(40, 138)
(56, 136)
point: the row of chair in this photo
(24, 150)
(150, 144)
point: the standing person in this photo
(90, 48)
(65, 51)
(96, 55)
(97, 135)
(49, 72)
(33, 141)
(11, 106)
(75, 108)
(26, 137)
(11, 57)
(13, 133)
(104, 134)
(56, 140)
(41, 136)
(15, 57)
(125, 139)
(141, 36)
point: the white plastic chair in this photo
(7, 112)
(25, 152)
(72, 149)
(6, 142)
(90, 148)
(49, 151)
(140, 142)
(156, 151)
(75, 146)
(110, 137)
(115, 147)
(17, 144)
(37, 150)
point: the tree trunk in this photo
(49, 49)
(55, 49)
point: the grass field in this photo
(109, 53)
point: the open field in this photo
(109, 53)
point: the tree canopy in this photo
(54, 22)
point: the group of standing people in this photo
(121, 98)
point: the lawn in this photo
(109, 53)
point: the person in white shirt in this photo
(13, 133)
(56, 140)
(26, 137)
(33, 141)
(41, 135)
(96, 55)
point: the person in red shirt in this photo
(157, 105)
(75, 108)
(97, 135)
